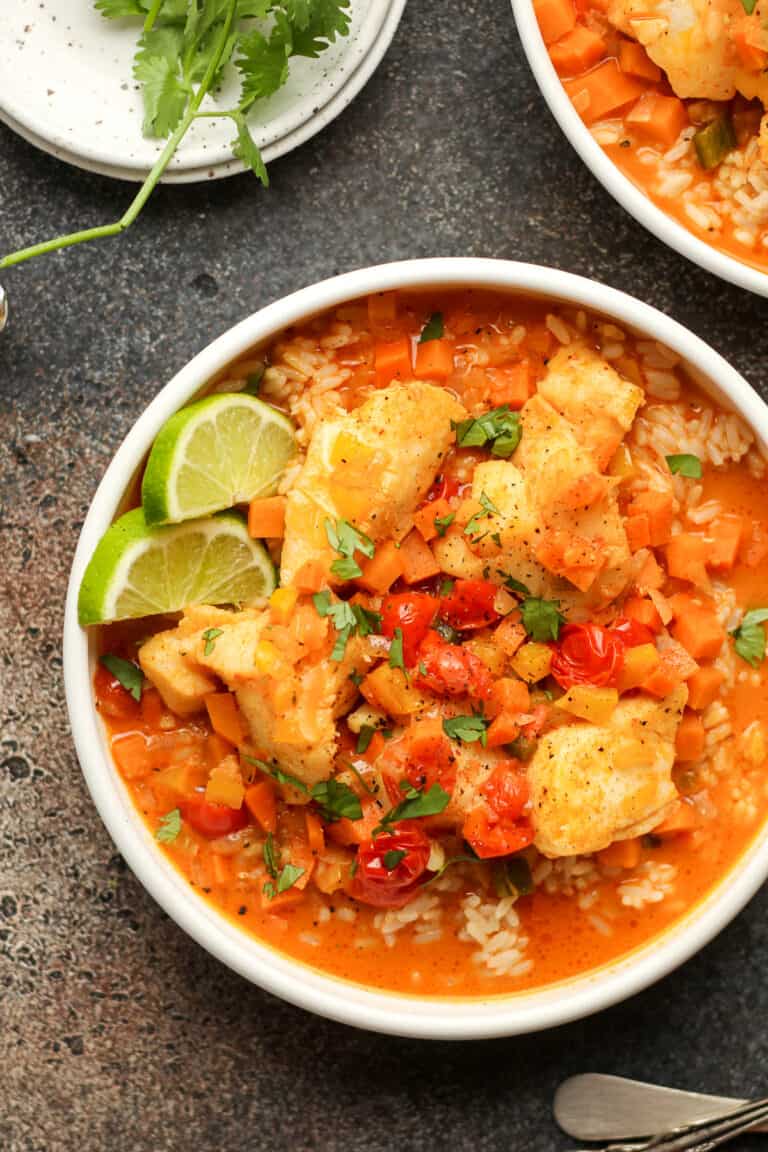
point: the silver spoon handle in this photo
(702, 1136)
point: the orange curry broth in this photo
(563, 940)
(639, 80)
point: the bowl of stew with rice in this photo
(665, 102)
(485, 750)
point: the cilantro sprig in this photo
(345, 539)
(467, 729)
(128, 674)
(168, 827)
(348, 619)
(415, 806)
(749, 637)
(182, 51)
(685, 464)
(500, 430)
(541, 619)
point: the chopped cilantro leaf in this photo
(686, 465)
(210, 636)
(392, 858)
(336, 799)
(271, 855)
(340, 644)
(396, 650)
(126, 672)
(512, 877)
(289, 874)
(499, 429)
(541, 618)
(468, 729)
(513, 584)
(434, 329)
(443, 523)
(446, 587)
(364, 738)
(276, 773)
(416, 805)
(749, 637)
(346, 568)
(488, 509)
(169, 827)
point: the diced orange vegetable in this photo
(704, 686)
(622, 854)
(605, 89)
(664, 678)
(311, 576)
(225, 716)
(315, 834)
(724, 537)
(225, 784)
(282, 603)
(503, 730)
(651, 575)
(266, 518)
(555, 17)
(639, 663)
(511, 384)
(220, 870)
(659, 119)
(754, 548)
(658, 507)
(434, 360)
(510, 634)
(634, 59)
(217, 748)
(683, 817)
(590, 703)
(638, 529)
(382, 307)
(178, 782)
(349, 832)
(374, 749)
(418, 561)
(132, 756)
(643, 610)
(261, 802)
(281, 901)
(382, 569)
(697, 628)
(687, 558)
(152, 707)
(393, 361)
(689, 742)
(567, 554)
(747, 35)
(577, 51)
(509, 695)
(386, 688)
(424, 519)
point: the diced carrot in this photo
(634, 59)
(216, 748)
(704, 686)
(754, 548)
(510, 634)
(349, 832)
(311, 576)
(683, 817)
(577, 558)
(605, 89)
(382, 569)
(152, 707)
(220, 870)
(382, 307)
(689, 742)
(577, 51)
(687, 558)
(418, 562)
(659, 119)
(266, 518)
(434, 360)
(622, 854)
(747, 35)
(658, 507)
(555, 17)
(651, 575)
(393, 361)
(503, 730)
(509, 695)
(281, 901)
(425, 518)
(724, 537)
(639, 663)
(261, 802)
(374, 749)
(315, 834)
(638, 529)
(132, 756)
(510, 384)
(664, 678)
(643, 610)
(698, 630)
(225, 716)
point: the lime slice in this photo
(220, 451)
(139, 570)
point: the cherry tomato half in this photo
(490, 835)
(506, 789)
(424, 756)
(470, 604)
(444, 488)
(587, 654)
(113, 699)
(412, 612)
(632, 632)
(389, 868)
(449, 670)
(213, 820)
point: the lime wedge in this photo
(139, 570)
(220, 451)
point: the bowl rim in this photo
(385, 1012)
(664, 227)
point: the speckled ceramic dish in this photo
(66, 86)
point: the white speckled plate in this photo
(66, 85)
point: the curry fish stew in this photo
(498, 714)
(674, 91)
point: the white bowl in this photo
(327, 995)
(664, 227)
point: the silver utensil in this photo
(597, 1107)
(702, 1136)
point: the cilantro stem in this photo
(103, 231)
(152, 15)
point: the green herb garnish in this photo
(415, 806)
(443, 523)
(514, 585)
(289, 874)
(396, 650)
(210, 636)
(434, 328)
(345, 539)
(749, 637)
(364, 738)
(488, 509)
(392, 858)
(347, 619)
(126, 672)
(181, 54)
(468, 729)
(336, 799)
(512, 877)
(499, 429)
(446, 587)
(169, 827)
(541, 618)
(686, 465)
(448, 633)
(271, 855)
(276, 773)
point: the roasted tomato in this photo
(412, 612)
(444, 488)
(587, 654)
(113, 699)
(390, 867)
(213, 820)
(501, 827)
(424, 756)
(470, 604)
(632, 632)
(449, 670)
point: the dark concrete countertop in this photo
(116, 1031)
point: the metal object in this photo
(596, 1107)
(702, 1136)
